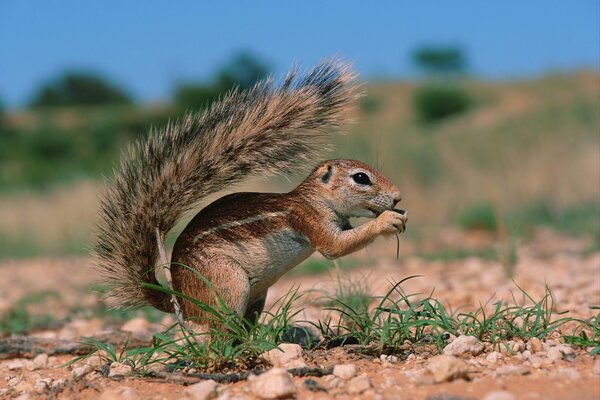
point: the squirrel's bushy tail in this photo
(269, 129)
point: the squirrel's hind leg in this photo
(227, 279)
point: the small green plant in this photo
(587, 334)
(399, 317)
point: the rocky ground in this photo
(465, 369)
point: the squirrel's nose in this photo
(397, 199)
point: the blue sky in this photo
(147, 46)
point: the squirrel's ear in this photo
(325, 177)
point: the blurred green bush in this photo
(435, 102)
(79, 88)
(242, 71)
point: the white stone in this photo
(359, 384)
(512, 347)
(499, 395)
(13, 381)
(493, 357)
(345, 371)
(42, 385)
(57, 383)
(276, 383)
(81, 371)
(205, 390)
(39, 362)
(119, 369)
(287, 355)
(464, 345)
(333, 382)
(553, 354)
(17, 363)
(445, 368)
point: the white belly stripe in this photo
(233, 224)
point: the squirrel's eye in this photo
(361, 178)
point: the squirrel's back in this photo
(266, 130)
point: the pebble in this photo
(535, 345)
(81, 371)
(24, 396)
(57, 383)
(464, 345)
(287, 355)
(13, 381)
(359, 384)
(205, 390)
(345, 371)
(389, 358)
(512, 347)
(17, 363)
(119, 369)
(39, 362)
(493, 357)
(512, 370)
(42, 386)
(276, 383)
(553, 354)
(445, 368)
(499, 395)
(333, 382)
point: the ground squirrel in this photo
(243, 242)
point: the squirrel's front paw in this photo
(391, 222)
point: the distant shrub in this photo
(79, 88)
(478, 217)
(433, 103)
(242, 71)
(50, 145)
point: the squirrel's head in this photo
(352, 188)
